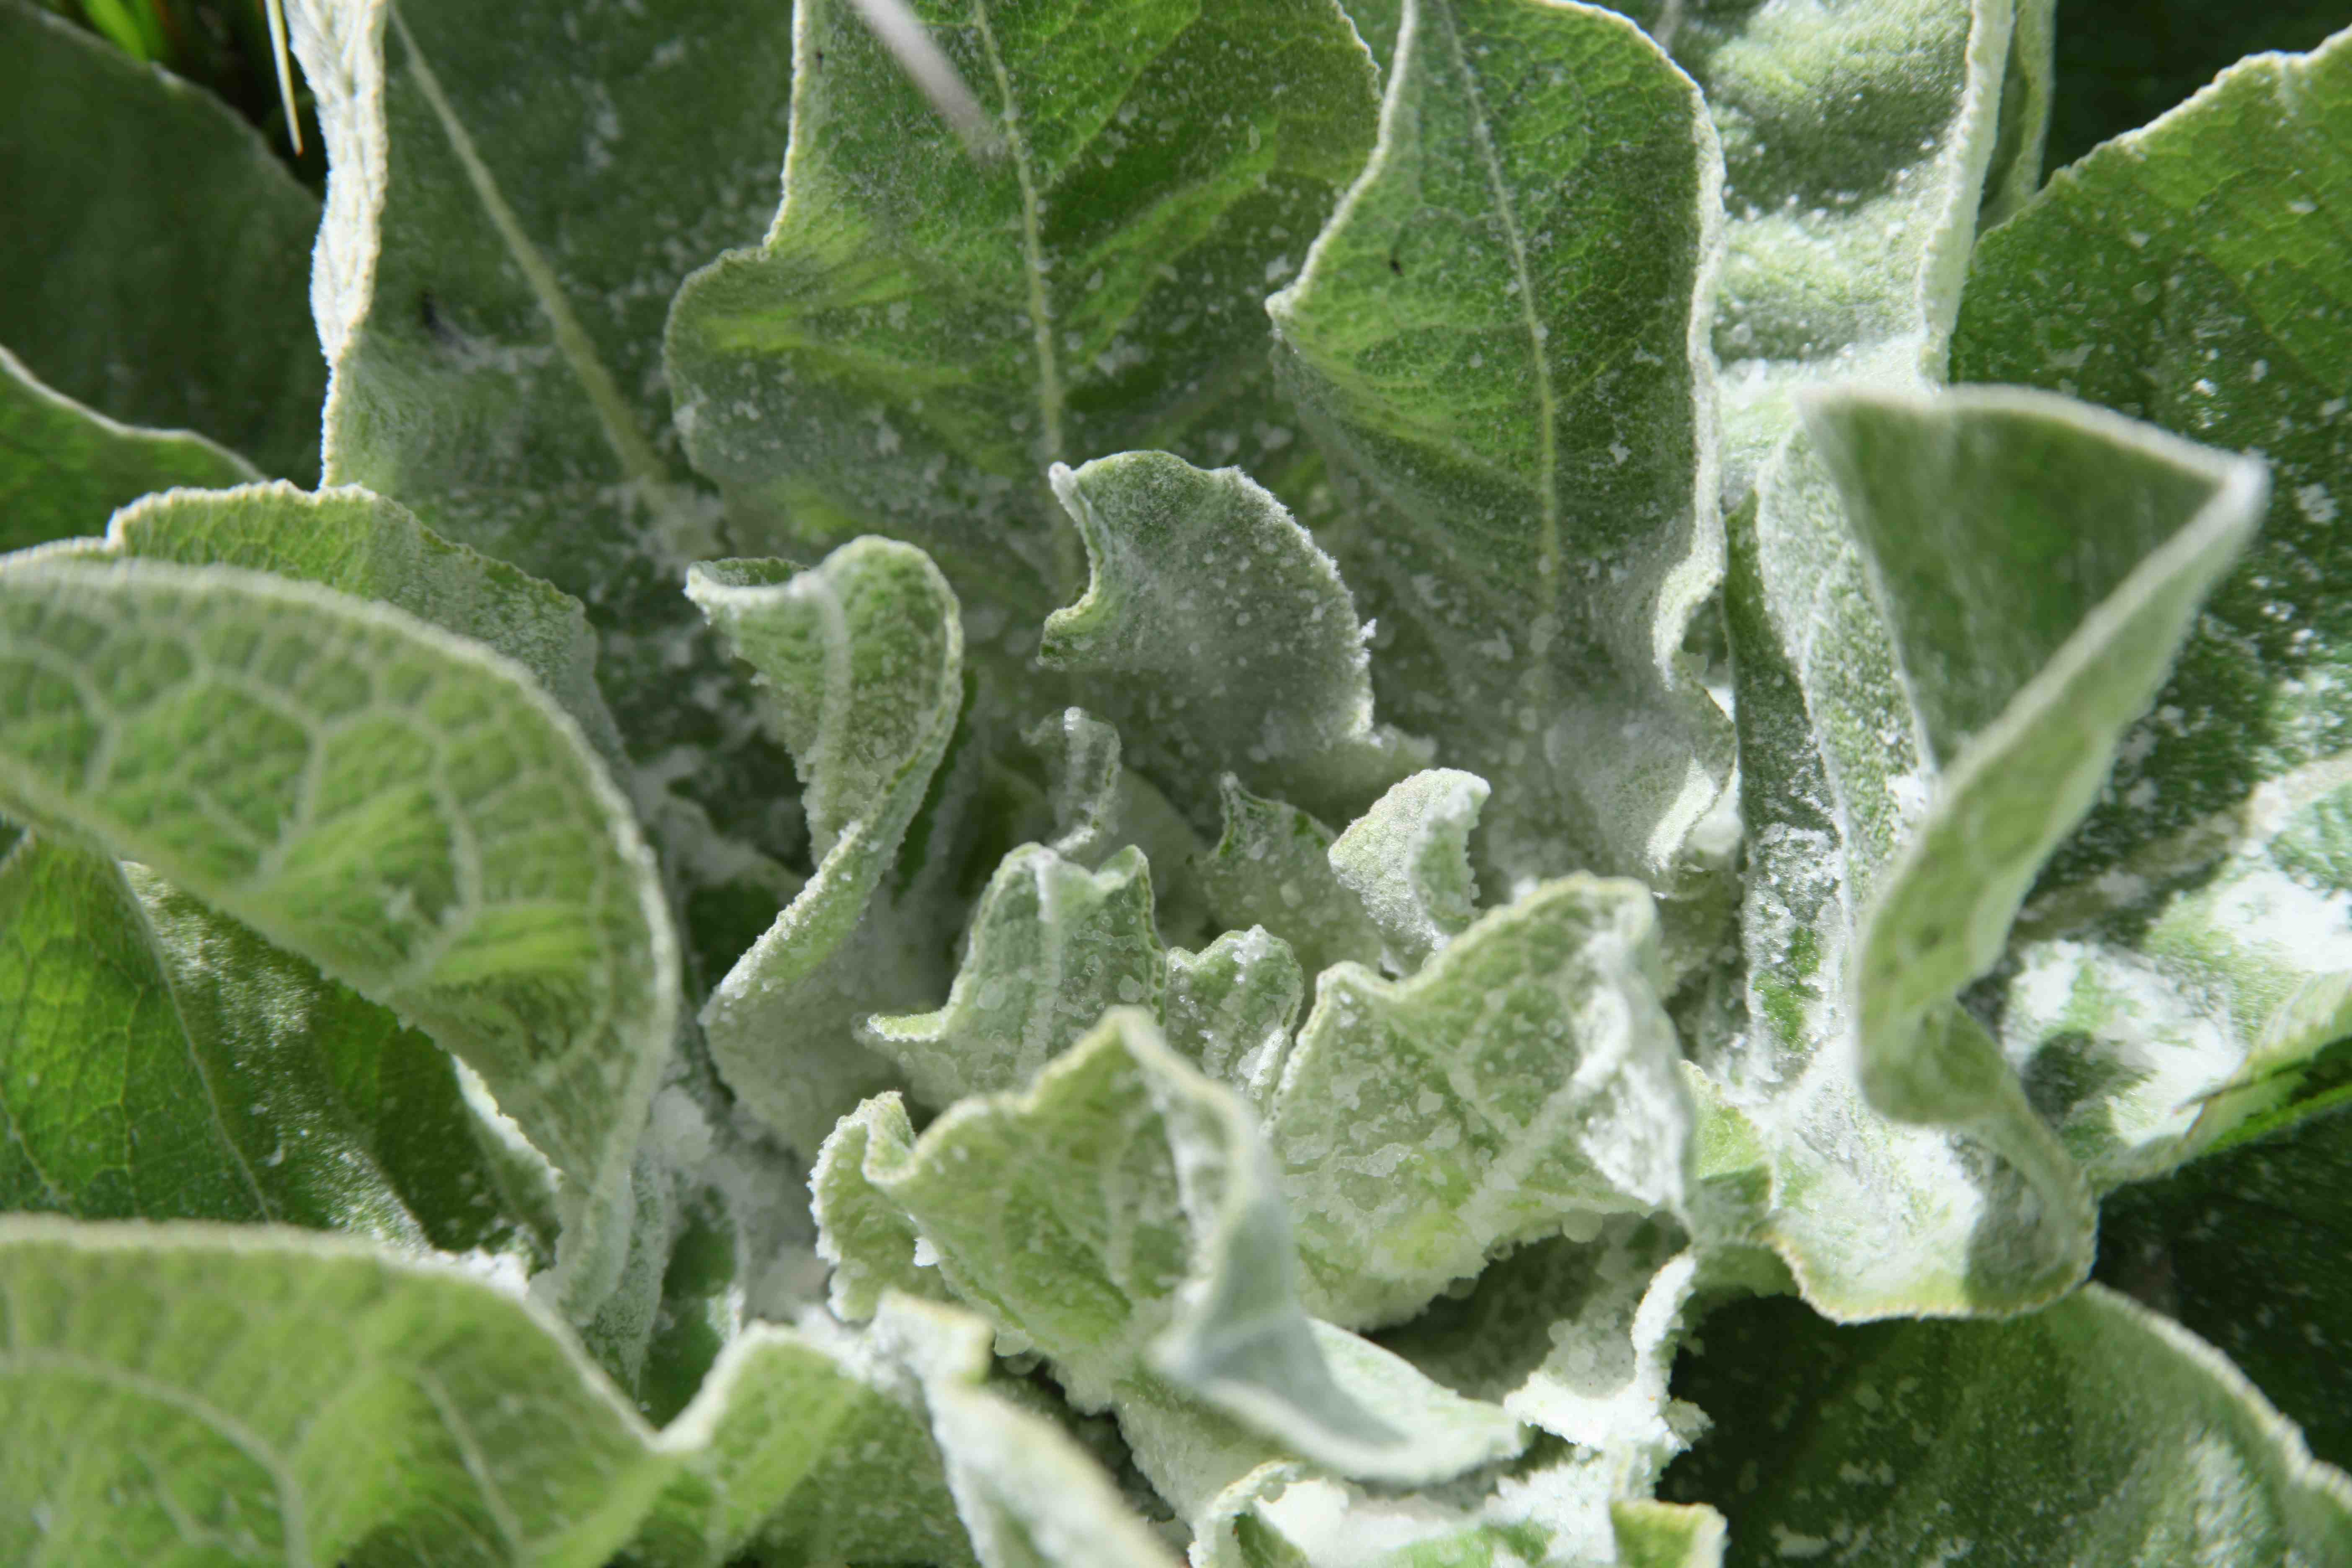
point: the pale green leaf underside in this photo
(892, 360)
(1499, 341)
(64, 468)
(400, 807)
(1857, 136)
(1218, 636)
(160, 1062)
(861, 664)
(2191, 936)
(186, 1395)
(1523, 1081)
(2093, 1431)
(157, 250)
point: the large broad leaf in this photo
(1500, 342)
(64, 468)
(1523, 1081)
(1120, 1218)
(157, 250)
(2190, 947)
(402, 807)
(923, 334)
(2030, 568)
(2249, 1247)
(502, 243)
(161, 1062)
(861, 664)
(1220, 638)
(185, 1395)
(2091, 1432)
(1856, 136)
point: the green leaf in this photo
(361, 545)
(1857, 137)
(248, 1396)
(161, 1062)
(1229, 1009)
(1120, 1217)
(1523, 1081)
(1052, 946)
(1408, 858)
(1220, 637)
(1499, 343)
(807, 1444)
(890, 360)
(1272, 867)
(2247, 1249)
(501, 244)
(860, 662)
(64, 468)
(158, 251)
(1029, 1495)
(399, 806)
(2185, 952)
(2093, 1431)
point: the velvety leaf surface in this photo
(1229, 1009)
(1525, 1078)
(64, 468)
(2093, 1431)
(1408, 859)
(1499, 342)
(1272, 867)
(2195, 934)
(861, 668)
(157, 250)
(515, 193)
(399, 806)
(188, 1395)
(923, 334)
(1219, 639)
(158, 1062)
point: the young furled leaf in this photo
(1500, 340)
(1272, 867)
(1229, 1009)
(1220, 637)
(1408, 858)
(861, 661)
(2187, 950)
(889, 360)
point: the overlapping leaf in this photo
(2190, 947)
(156, 250)
(399, 806)
(861, 661)
(1500, 341)
(923, 336)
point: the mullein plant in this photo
(1463, 783)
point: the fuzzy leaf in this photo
(2191, 946)
(183, 1394)
(1408, 858)
(2093, 1431)
(1053, 945)
(1523, 1078)
(1857, 136)
(1090, 289)
(861, 662)
(1500, 340)
(1220, 637)
(401, 807)
(1229, 1009)
(156, 251)
(1120, 1217)
(64, 468)
(158, 1062)
(1272, 868)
